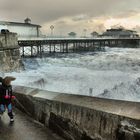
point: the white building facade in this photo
(24, 30)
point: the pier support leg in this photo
(31, 51)
(54, 50)
(63, 48)
(67, 50)
(50, 46)
(23, 52)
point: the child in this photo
(6, 96)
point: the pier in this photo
(38, 46)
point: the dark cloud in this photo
(127, 14)
(46, 11)
(81, 17)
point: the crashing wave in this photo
(124, 91)
(77, 73)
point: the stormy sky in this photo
(73, 15)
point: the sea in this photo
(113, 73)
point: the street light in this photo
(85, 32)
(52, 28)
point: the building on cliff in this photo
(24, 30)
(120, 33)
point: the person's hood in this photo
(8, 79)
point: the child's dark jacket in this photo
(5, 94)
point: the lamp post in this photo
(52, 28)
(85, 32)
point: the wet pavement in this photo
(24, 128)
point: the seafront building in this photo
(24, 30)
(120, 33)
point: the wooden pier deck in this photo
(39, 46)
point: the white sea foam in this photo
(114, 71)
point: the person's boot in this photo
(11, 119)
(10, 114)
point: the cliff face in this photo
(10, 59)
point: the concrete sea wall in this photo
(10, 59)
(76, 117)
